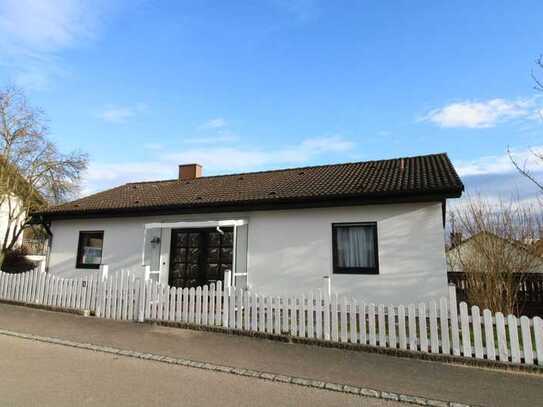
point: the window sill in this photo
(370, 272)
(88, 267)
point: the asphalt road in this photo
(41, 374)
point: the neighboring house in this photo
(468, 252)
(13, 212)
(34, 243)
(12, 204)
(372, 230)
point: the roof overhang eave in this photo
(263, 204)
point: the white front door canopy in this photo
(157, 257)
(195, 224)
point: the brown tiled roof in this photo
(412, 177)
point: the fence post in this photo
(444, 321)
(141, 302)
(526, 340)
(326, 316)
(466, 333)
(453, 313)
(105, 272)
(147, 272)
(538, 336)
(227, 279)
(512, 327)
(101, 292)
(452, 293)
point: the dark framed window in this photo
(355, 248)
(89, 250)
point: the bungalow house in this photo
(372, 230)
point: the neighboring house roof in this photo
(412, 178)
(466, 248)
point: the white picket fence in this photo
(437, 327)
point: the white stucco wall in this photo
(290, 251)
(123, 243)
(293, 249)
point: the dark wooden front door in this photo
(200, 256)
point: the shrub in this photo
(15, 261)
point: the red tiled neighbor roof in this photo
(411, 178)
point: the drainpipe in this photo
(234, 250)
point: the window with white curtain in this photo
(355, 248)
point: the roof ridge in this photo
(292, 168)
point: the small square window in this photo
(89, 250)
(355, 248)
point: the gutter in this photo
(252, 205)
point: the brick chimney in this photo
(189, 171)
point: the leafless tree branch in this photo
(33, 172)
(498, 252)
(523, 169)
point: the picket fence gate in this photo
(441, 327)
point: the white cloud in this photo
(120, 114)
(215, 160)
(501, 164)
(481, 114)
(34, 77)
(33, 33)
(141, 171)
(213, 131)
(224, 137)
(216, 123)
(326, 144)
(303, 10)
(100, 176)
(45, 25)
(495, 179)
(239, 159)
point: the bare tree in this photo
(536, 77)
(33, 172)
(522, 167)
(498, 252)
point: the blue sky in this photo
(238, 86)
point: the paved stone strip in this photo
(343, 388)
